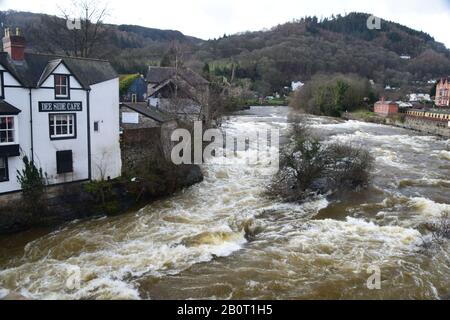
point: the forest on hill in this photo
(268, 61)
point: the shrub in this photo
(104, 198)
(441, 229)
(32, 182)
(440, 234)
(331, 95)
(348, 166)
(309, 167)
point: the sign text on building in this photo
(60, 106)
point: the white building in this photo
(61, 112)
(419, 97)
(296, 85)
(404, 105)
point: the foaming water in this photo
(223, 239)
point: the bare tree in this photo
(79, 31)
(176, 55)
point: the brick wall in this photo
(386, 108)
(442, 94)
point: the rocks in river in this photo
(190, 175)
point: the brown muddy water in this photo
(222, 239)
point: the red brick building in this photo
(442, 93)
(386, 108)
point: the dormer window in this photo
(62, 87)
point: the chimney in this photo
(14, 44)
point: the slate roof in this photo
(386, 102)
(152, 113)
(152, 91)
(37, 67)
(8, 109)
(161, 74)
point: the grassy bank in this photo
(364, 116)
(264, 102)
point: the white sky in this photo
(212, 18)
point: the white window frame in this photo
(71, 123)
(15, 131)
(66, 85)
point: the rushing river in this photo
(222, 239)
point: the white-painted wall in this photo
(105, 144)
(106, 158)
(20, 98)
(44, 148)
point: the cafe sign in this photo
(60, 106)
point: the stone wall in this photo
(146, 145)
(146, 156)
(138, 146)
(144, 122)
(433, 127)
(63, 203)
(439, 128)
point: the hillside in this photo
(300, 49)
(120, 45)
(270, 60)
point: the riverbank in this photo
(82, 201)
(402, 121)
(280, 102)
(148, 174)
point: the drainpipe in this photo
(31, 127)
(88, 95)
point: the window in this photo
(64, 162)
(4, 169)
(62, 126)
(7, 130)
(61, 86)
(96, 126)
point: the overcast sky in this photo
(212, 18)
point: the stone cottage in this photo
(178, 91)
